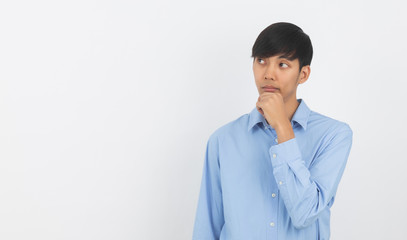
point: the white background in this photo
(106, 108)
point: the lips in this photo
(269, 88)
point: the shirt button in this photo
(281, 183)
(273, 195)
(276, 140)
(272, 224)
(274, 155)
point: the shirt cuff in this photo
(285, 152)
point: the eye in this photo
(259, 60)
(284, 65)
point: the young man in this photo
(273, 173)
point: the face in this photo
(279, 75)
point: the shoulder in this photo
(232, 128)
(328, 126)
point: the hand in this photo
(271, 106)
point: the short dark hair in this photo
(286, 39)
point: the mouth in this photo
(269, 89)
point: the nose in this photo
(269, 73)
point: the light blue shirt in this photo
(253, 188)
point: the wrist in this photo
(284, 132)
(283, 126)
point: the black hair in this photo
(285, 39)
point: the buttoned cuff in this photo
(285, 153)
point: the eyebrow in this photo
(290, 58)
(282, 56)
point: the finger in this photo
(259, 108)
(260, 111)
(266, 95)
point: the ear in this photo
(304, 74)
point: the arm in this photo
(307, 192)
(209, 218)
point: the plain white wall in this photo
(106, 108)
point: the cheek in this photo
(257, 78)
(293, 77)
(257, 84)
(258, 75)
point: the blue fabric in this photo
(254, 188)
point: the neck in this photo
(291, 107)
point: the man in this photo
(273, 173)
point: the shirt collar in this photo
(300, 116)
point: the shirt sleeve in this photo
(306, 192)
(209, 218)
